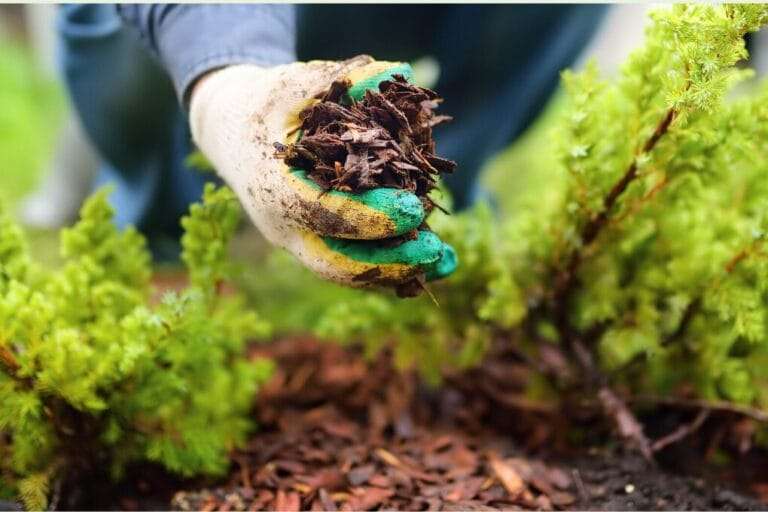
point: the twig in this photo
(429, 292)
(613, 406)
(9, 361)
(682, 431)
(658, 187)
(628, 426)
(565, 279)
(53, 503)
(742, 254)
(690, 311)
(245, 475)
(580, 485)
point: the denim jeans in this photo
(129, 111)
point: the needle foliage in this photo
(645, 243)
(95, 374)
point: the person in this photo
(148, 79)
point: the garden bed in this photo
(338, 433)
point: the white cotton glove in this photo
(239, 112)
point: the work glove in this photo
(239, 112)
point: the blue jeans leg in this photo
(129, 111)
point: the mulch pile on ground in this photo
(338, 433)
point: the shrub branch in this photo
(11, 367)
(565, 279)
(710, 405)
(682, 431)
(565, 284)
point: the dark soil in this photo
(626, 483)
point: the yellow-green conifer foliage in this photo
(646, 245)
(93, 374)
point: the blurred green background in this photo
(30, 111)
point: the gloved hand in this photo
(239, 112)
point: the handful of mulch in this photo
(384, 140)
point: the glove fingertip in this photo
(445, 266)
(426, 250)
(371, 82)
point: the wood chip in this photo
(361, 475)
(326, 501)
(287, 501)
(507, 475)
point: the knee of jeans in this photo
(83, 22)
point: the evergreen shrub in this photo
(95, 374)
(642, 257)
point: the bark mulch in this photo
(338, 433)
(384, 140)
